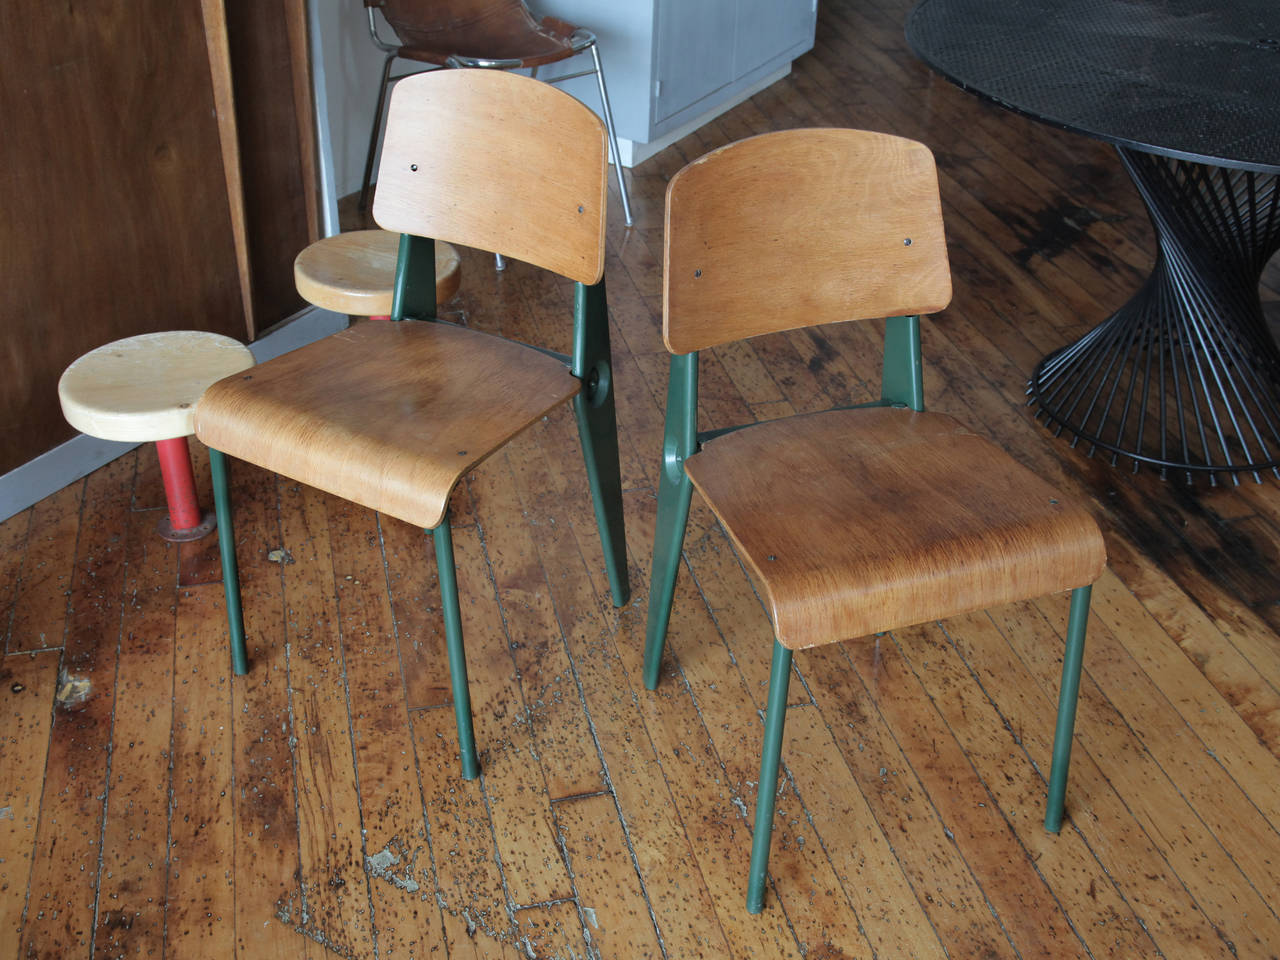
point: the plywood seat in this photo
(859, 521)
(386, 414)
(146, 387)
(353, 273)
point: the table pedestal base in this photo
(1185, 376)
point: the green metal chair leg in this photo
(675, 489)
(674, 495)
(598, 429)
(227, 551)
(770, 758)
(1069, 692)
(443, 539)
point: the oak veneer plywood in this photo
(27, 685)
(423, 189)
(865, 520)
(355, 272)
(387, 414)
(725, 262)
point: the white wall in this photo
(353, 66)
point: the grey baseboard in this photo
(81, 455)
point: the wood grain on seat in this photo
(859, 521)
(386, 414)
(354, 272)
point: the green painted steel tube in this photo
(230, 569)
(674, 493)
(442, 537)
(598, 430)
(775, 719)
(1072, 661)
(413, 296)
(902, 380)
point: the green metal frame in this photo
(442, 537)
(598, 429)
(227, 553)
(675, 489)
(413, 296)
(1068, 695)
(902, 385)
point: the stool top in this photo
(146, 387)
(353, 273)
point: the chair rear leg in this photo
(442, 537)
(674, 494)
(1068, 693)
(227, 551)
(598, 431)
(598, 428)
(613, 135)
(373, 134)
(770, 759)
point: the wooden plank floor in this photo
(151, 804)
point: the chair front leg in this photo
(770, 759)
(1068, 694)
(227, 552)
(442, 537)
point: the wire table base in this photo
(1186, 375)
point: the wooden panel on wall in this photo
(115, 209)
(277, 174)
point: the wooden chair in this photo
(858, 520)
(492, 34)
(355, 272)
(392, 413)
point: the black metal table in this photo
(1186, 375)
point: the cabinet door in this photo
(695, 52)
(769, 28)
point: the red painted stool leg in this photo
(185, 521)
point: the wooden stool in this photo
(353, 273)
(145, 388)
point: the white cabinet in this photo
(671, 65)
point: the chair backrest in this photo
(453, 25)
(798, 228)
(498, 161)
